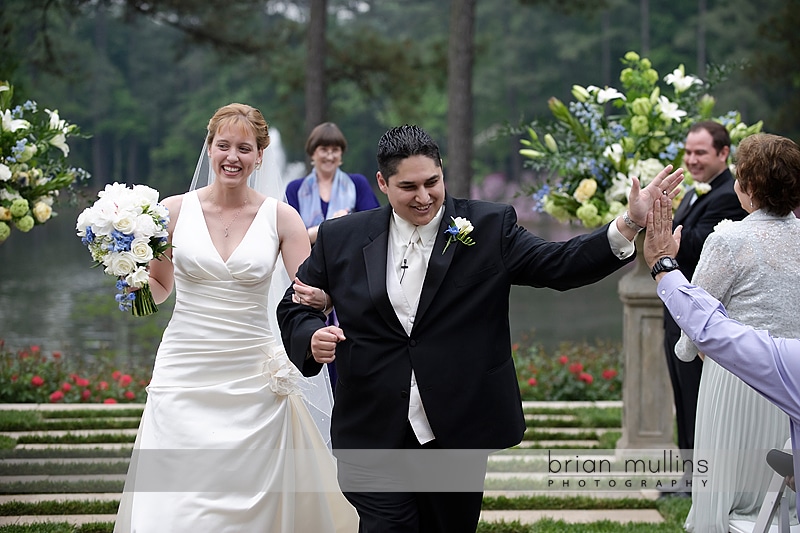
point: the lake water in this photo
(50, 296)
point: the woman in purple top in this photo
(328, 192)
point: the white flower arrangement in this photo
(33, 170)
(459, 230)
(591, 156)
(124, 230)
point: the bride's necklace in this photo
(219, 213)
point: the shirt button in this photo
(663, 291)
(677, 317)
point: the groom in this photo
(429, 368)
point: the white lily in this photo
(608, 94)
(614, 152)
(13, 124)
(55, 121)
(680, 80)
(670, 110)
(60, 142)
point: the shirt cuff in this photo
(620, 245)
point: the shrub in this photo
(30, 376)
(576, 371)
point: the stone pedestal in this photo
(647, 416)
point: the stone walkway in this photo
(495, 477)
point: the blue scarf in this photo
(343, 196)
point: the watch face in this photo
(665, 264)
(668, 263)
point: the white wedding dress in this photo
(226, 441)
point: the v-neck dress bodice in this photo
(226, 442)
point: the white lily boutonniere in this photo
(459, 230)
(701, 188)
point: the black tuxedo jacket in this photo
(698, 222)
(460, 346)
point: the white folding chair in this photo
(776, 502)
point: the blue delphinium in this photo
(122, 242)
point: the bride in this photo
(227, 442)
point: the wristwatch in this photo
(665, 264)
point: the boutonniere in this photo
(701, 188)
(459, 230)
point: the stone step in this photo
(573, 444)
(87, 446)
(575, 516)
(550, 417)
(61, 478)
(110, 407)
(63, 432)
(74, 519)
(77, 496)
(65, 460)
(571, 430)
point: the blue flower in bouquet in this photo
(124, 230)
(605, 137)
(33, 168)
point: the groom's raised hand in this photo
(323, 343)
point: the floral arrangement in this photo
(459, 230)
(29, 375)
(605, 137)
(33, 169)
(577, 371)
(124, 230)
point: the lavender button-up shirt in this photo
(770, 365)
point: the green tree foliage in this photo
(143, 77)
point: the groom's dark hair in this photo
(402, 142)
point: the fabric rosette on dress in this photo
(283, 377)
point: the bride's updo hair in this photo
(242, 116)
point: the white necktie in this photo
(413, 269)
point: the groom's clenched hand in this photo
(323, 343)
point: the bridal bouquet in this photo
(124, 230)
(605, 136)
(33, 169)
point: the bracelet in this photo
(325, 308)
(626, 218)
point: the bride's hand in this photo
(311, 296)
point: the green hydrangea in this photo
(555, 210)
(588, 214)
(25, 223)
(642, 106)
(639, 125)
(5, 231)
(19, 207)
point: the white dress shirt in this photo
(405, 307)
